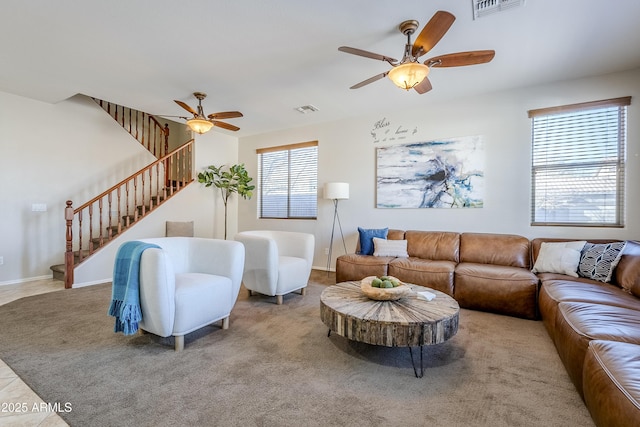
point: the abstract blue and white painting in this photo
(446, 173)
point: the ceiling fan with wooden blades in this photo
(409, 73)
(201, 123)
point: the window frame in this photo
(619, 164)
(290, 207)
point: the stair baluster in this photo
(76, 252)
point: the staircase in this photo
(97, 222)
(142, 126)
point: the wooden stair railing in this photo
(142, 126)
(100, 219)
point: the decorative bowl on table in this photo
(382, 293)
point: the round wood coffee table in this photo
(407, 322)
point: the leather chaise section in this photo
(579, 323)
(611, 383)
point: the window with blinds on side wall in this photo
(288, 181)
(578, 164)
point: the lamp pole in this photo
(336, 216)
(335, 191)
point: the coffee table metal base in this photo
(415, 371)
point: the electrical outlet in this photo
(326, 251)
(1, 260)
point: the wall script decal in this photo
(445, 173)
(382, 131)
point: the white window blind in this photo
(288, 181)
(578, 161)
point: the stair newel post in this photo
(68, 255)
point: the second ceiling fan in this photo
(201, 123)
(409, 73)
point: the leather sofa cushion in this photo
(499, 289)
(611, 380)
(431, 274)
(499, 249)
(579, 323)
(544, 277)
(434, 245)
(553, 292)
(357, 267)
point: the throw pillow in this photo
(179, 229)
(384, 247)
(598, 260)
(560, 257)
(366, 238)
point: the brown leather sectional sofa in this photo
(595, 326)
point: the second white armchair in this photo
(276, 262)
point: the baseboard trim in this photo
(94, 282)
(27, 279)
(313, 267)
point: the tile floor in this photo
(19, 405)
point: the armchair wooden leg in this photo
(179, 345)
(303, 291)
(250, 292)
(225, 323)
(279, 299)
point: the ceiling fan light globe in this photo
(409, 74)
(199, 125)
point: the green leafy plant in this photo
(234, 180)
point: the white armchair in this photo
(276, 262)
(188, 283)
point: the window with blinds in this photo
(578, 161)
(288, 181)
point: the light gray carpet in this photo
(275, 366)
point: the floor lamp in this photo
(335, 191)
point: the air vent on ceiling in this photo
(482, 8)
(307, 109)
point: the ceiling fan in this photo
(409, 72)
(201, 123)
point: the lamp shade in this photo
(199, 125)
(408, 75)
(336, 190)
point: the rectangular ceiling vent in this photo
(482, 8)
(307, 109)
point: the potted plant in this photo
(234, 180)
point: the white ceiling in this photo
(265, 58)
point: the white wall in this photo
(347, 154)
(75, 151)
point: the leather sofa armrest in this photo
(627, 273)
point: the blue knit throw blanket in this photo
(125, 290)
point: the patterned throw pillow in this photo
(597, 261)
(366, 239)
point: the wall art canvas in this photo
(446, 173)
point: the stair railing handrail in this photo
(181, 164)
(159, 135)
(140, 172)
